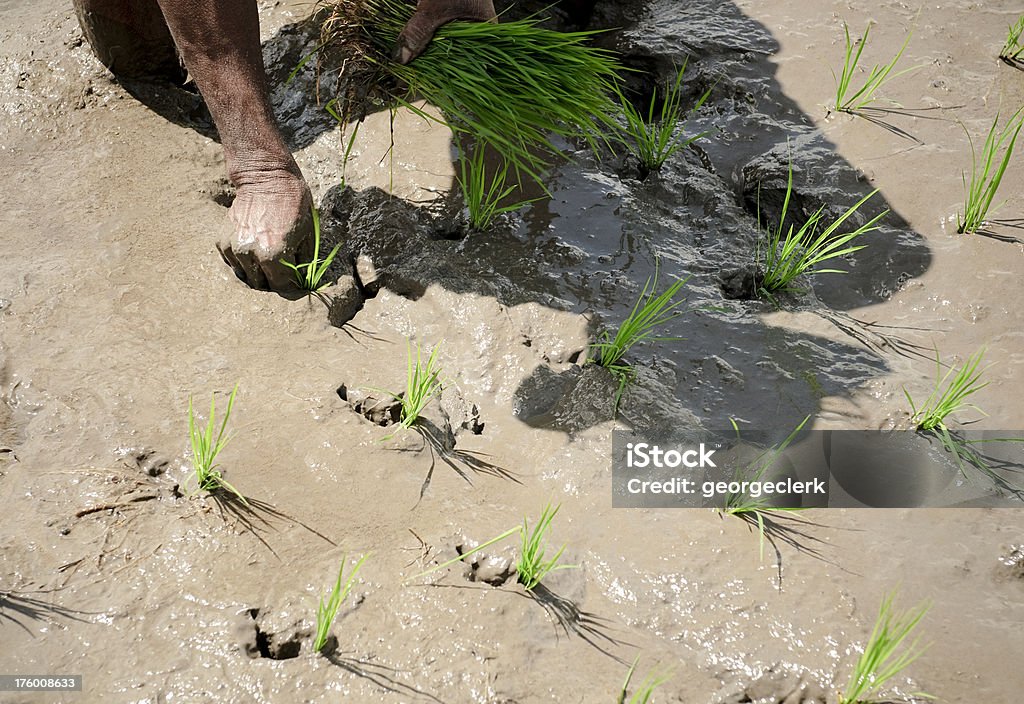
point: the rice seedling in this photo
(483, 195)
(987, 172)
(515, 86)
(207, 446)
(882, 660)
(327, 609)
(849, 100)
(789, 253)
(532, 567)
(1013, 48)
(948, 397)
(752, 509)
(422, 384)
(949, 394)
(655, 136)
(650, 313)
(645, 690)
(309, 276)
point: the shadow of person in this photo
(603, 232)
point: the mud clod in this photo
(383, 411)
(1011, 566)
(740, 284)
(495, 570)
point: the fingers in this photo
(430, 15)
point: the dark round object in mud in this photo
(740, 284)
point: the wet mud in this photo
(115, 308)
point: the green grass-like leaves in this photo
(483, 194)
(309, 276)
(650, 313)
(884, 657)
(644, 692)
(513, 85)
(654, 136)
(327, 609)
(1013, 49)
(531, 566)
(207, 444)
(849, 99)
(789, 253)
(422, 384)
(754, 510)
(987, 172)
(949, 394)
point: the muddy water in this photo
(115, 308)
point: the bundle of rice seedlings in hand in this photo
(513, 85)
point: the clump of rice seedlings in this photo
(422, 384)
(884, 658)
(309, 276)
(515, 86)
(949, 395)
(532, 567)
(650, 313)
(653, 136)
(987, 172)
(645, 690)
(789, 253)
(756, 509)
(207, 446)
(1013, 48)
(850, 100)
(483, 195)
(327, 609)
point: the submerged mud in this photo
(115, 309)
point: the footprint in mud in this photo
(263, 634)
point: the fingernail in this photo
(402, 54)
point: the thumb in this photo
(416, 35)
(432, 14)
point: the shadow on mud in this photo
(590, 247)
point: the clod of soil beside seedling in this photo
(654, 136)
(881, 660)
(206, 447)
(986, 173)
